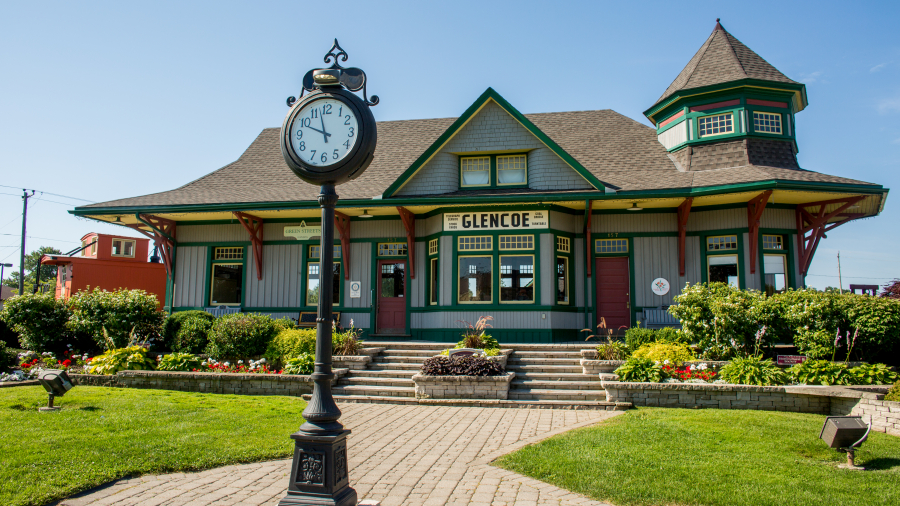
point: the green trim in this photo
(494, 181)
(210, 251)
(737, 86)
(488, 94)
(742, 262)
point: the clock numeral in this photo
(314, 113)
(313, 155)
(335, 155)
(302, 146)
(324, 157)
(326, 109)
(299, 134)
(351, 132)
(347, 120)
(347, 144)
(340, 110)
(304, 122)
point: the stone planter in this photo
(463, 387)
(371, 352)
(502, 357)
(352, 362)
(591, 354)
(599, 366)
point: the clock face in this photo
(324, 132)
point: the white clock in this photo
(324, 132)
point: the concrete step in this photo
(387, 373)
(547, 354)
(557, 395)
(484, 403)
(384, 391)
(553, 376)
(387, 382)
(399, 359)
(530, 384)
(517, 360)
(383, 366)
(576, 347)
(544, 368)
(412, 353)
(409, 345)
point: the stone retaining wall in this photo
(352, 362)
(867, 402)
(462, 387)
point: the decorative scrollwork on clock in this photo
(352, 78)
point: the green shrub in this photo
(284, 323)
(641, 370)
(132, 358)
(194, 339)
(753, 370)
(894, 393)
(872, 374)
(302, 364)
(40, 320)
(636, 337)
(613, 350)
(290, 343)
(8, 358)
(665, 352)
(8, 336)
(123, 314)
(346, 342)
(179, 362)
(821, 372)
(240, 336)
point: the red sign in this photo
(791, 359)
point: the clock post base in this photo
(319, 472)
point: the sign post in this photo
(327, 138)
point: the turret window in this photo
(767, 122)
(716, 125)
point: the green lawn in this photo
(712, 457)
(102, 434)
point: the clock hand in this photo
(324, 133)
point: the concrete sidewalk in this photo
(400, 455)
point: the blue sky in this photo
(104, 100)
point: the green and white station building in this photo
(546, 222)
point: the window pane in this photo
(475, 279)
(467, 243)
(336, 283)
(392, 249)
(767, 122)
(715, 125)
(773, 242)
(393, 280)
(117, 247)
(611, 246)
(129, 248)
(517, 278)
(511, 169)
(476, 171)
(516, 241)
(312, 284)
(227, 284)
(562, 280)
(725, 242)
(435, 276)
(774, 266)
(724, 269)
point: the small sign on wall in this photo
(355, 289)
(513, 220)
(660, 286)
(791, 359)
(303, 232)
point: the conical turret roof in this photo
(721, 59)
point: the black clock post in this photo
(319, 473)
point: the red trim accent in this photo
(755, 208)
(165, 245)
(713, 106)
(587, 235)
(815, 223)
(684, 210)
(409, 222)
(342, 223)
(767, 103)
(671, 119)
(254, 226)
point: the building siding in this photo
(577, 270)
(779, 218)
(564, 222)
(751, 280)
(636, 222)
(417, 285)
(190, 276)
(212, 233)
(717, 220)
(545, 269)
(360, 270)
(657, 257)
(446, 263)
(428, 226)
(502, 319)
(282, 273)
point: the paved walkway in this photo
(400, 455)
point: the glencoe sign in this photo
(521, 220)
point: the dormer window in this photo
(122, 248)
(716, 124)
(475, 171)
(767, 122)
(512, 170)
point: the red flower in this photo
(67, 362)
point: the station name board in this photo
(303, 232)
(509, 220)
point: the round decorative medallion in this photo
(660, 286)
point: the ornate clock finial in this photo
(332, 55)
(351, 78)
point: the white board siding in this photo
(752, 281)
(779, 218)
(428, 226)
(564, 222)
(502, 319)
(212, 233)
(445, 254)
(798, 278)
(545, 270)
(282, 273)
(360, 270)
(576, 269)
(717, 220)
(657, 257)
(360, 320)
(378, 229)
(190, 276)
(674, 135)
(417, 286)
(638, 221)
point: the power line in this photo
(48, 193)
(42, 200)
(853, 277)
(44, 238)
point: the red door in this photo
(613, 293)
(391, 317)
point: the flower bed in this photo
(463, 387)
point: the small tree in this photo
(39, 319)
(120, 315)
(891, 290)
(48, 272)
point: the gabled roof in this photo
(721, 59)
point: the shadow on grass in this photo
(881, 464)
(90, 408)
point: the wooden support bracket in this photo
(684, 210)
(409, 222)
(254, 226)
(589, 257)
(342, 224)
(755, 208)
(813, 223)
(162, 231)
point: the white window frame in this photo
(534, 274)
(463, 243)
(524, 158)
(123, 242)
(433, 247)
(556, 281)
(464, 161)
(563, 244)
(774, 115)
(459, 260)
(212, 282)
(711, 118)
(737, 266)
(514, 242)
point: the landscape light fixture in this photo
(634, 207)
(366, 214)
(56, 382)
(845, 433)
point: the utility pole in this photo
(840, 283)
(25, 197)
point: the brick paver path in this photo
(400, 455)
